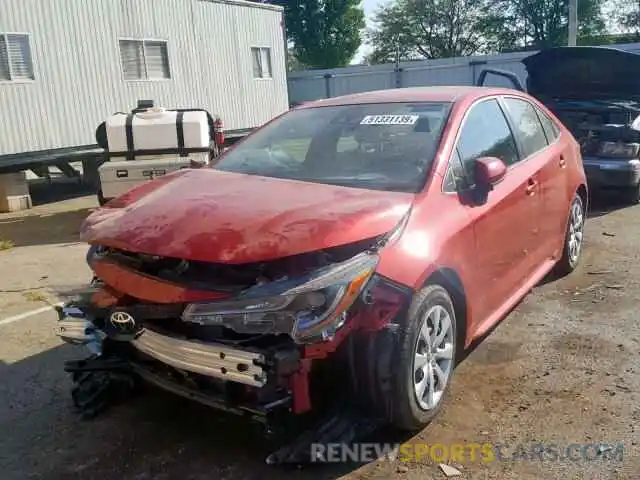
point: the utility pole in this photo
(573, 23)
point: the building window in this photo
(15, 57)
(261, 57)
(144, 59)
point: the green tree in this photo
(324, 33)
(407, 29)
(628, 16)
(293, 64)
(536, 24)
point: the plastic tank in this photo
(156, 129)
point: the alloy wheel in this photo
(576, 227)
(433, 357)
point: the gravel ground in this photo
(562, 369)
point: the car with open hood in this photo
(346, 253)
(595, 92)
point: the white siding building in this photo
(65, 65)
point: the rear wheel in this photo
(573, 239)
(425, 359)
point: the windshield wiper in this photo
(381, 183)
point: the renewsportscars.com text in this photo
(468, 452)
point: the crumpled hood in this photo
(583, 73)
(216, 216)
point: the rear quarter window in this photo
(551, 129)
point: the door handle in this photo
(531, 186)
(562, 162)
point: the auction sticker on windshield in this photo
(389, 120)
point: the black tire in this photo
(568, 263)
(101, 199)
(405, 411)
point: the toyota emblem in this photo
(122, 320)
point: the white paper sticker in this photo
(389, 120)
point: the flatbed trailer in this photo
(59, 157)
(90, 156)
(62, 158)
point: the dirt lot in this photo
(563, 368)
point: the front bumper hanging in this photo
(165, 360)
(117, 364)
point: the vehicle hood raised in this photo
(214, 216)
(583, 73)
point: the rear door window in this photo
(550, 128)
(528, 129)
(486, 133)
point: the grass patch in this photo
(6, 245)
(36, 297)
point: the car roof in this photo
(412, 94)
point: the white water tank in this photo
(157, 129)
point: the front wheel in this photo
(573, 239)
(425, 359)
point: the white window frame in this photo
(144, 41)
(33, 71)
(269, 72)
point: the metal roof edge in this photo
(245, 3)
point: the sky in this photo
(369, 7)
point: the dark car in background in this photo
(595, 92)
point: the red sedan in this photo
(363, 241)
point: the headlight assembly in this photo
(307, 308)
(619, 149)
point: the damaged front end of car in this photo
(609, 136)
(272, 340)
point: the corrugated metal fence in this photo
(315, 84)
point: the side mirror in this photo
(489, 171)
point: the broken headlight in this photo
(308, 308)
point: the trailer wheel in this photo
(101, 200)
(425, 359)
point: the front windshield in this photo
(376, 146)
